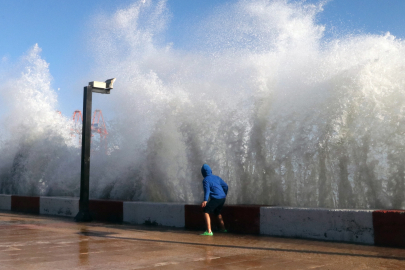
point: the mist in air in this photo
(284, 115)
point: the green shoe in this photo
(223, 231)
(207, 233)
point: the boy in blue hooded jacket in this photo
(216, 189)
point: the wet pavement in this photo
(38, 242)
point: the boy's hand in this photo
(203, 204)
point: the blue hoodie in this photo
(214, 186)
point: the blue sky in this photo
(60, 28)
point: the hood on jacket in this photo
(206, 170)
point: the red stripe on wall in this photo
(193, 217)
(389, 228)
(237, 218)
(25, 204)
(102, 210)
(242, 219)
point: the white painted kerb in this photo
(165, 214)
(59, 206)
(346, 225)
(5, 202)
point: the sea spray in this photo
(282, 114)
(36, 145)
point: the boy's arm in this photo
(206, 190)
(224, 186)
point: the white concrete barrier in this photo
(346, 225)
(59, 206)
(5, 202)
(165, 214)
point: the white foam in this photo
(283, 115)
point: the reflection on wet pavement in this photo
(38, 242)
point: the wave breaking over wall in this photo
(284, 115)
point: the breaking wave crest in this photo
(282, 114)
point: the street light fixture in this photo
(97, 87)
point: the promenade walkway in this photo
(44, 242)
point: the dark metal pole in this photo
(84, 213)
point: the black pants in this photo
(214, 206)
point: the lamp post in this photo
(97, 87)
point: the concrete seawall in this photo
(372, 227)
(343, 225)
(164, 214)
(59, 206)
(5, 202)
